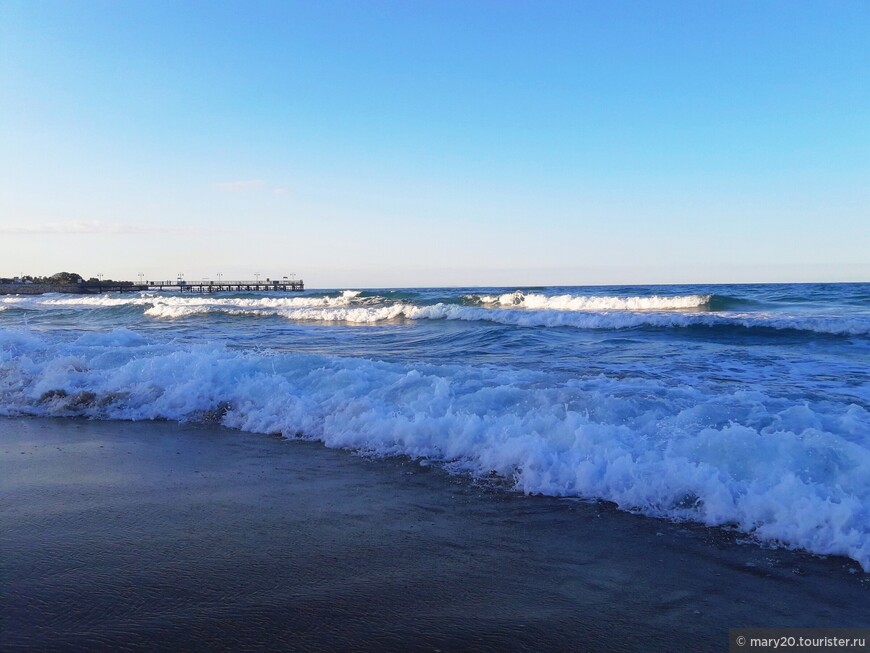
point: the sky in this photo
(408, 143)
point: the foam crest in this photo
(552, 318)
(512, 309)
(352, 309)
(532, 310)
(628, 320)
(157, 305)
(356, 315)
(172, 311)
(790, 473)
(537, 301)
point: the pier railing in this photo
(288, 285)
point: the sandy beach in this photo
(155, 536)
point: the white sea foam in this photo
(174, 306)
(528, 318)
(356, 315)
(532, 310)
(628, 320)
(172, 310)
(792, 473)
(519, 299)
(553, 318)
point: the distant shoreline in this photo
(97, 288)
(70, 289)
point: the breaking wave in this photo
(196, 303)
(537, 301)
(792, 474)
(628, 320)
(512, 309)
(533, 318)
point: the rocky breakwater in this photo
(41, 288)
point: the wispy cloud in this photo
(239, 185)
(279, 191)
(91, 227)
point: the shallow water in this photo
(159, 537)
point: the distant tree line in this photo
(66, 279)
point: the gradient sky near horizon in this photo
(363, 144)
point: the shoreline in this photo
(67, 289)
(159, 536)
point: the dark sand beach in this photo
(154, 536)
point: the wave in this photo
(547, 319)
(627, 320)
(528, 310)
(729, 303)
(616, 320)
(536, 301)
(786, 473)
(197, 303)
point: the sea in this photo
(743, 407)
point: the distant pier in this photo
(280, 285)
(90, 288)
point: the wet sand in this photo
(154, 536)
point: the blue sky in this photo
(437, 143)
